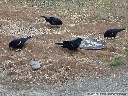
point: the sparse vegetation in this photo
(82, 18)
(117, 61)
(126, 51)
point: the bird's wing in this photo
(18, 43)
(23, 40)
(69, 43)
(53, 20)
(15, 43)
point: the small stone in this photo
(35, 64)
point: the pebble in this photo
(35, 64)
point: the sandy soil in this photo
(59, 65)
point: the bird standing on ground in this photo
(110, 33)
(53, 20)
(18, 43)
(71, 45)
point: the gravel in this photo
(77, 87)
(60, 65)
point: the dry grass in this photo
(60, 65)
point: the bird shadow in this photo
(52, 26)
(16, 50)
(72, 52)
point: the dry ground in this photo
(60, 65)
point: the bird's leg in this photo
(71, 52)
(112, 38)
(51, 26)
(106, 37)
(81, 51)
(57, 26)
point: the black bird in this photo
(18, 43)
(71, 45)
(53, 20)
(110, 33)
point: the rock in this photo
(92, 44)
(35, 64)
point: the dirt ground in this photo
(60, 65)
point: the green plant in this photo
(117, 62)
(126, 51)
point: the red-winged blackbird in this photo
(53, 20)
(18, 43)
(71, 45)
(110, 33)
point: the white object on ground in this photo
(35, 64)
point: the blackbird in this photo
(53, 20)
(71, 45)
(111, 33)
(18, 43)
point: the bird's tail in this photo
(43, 16)
(59, 43)
(121, 29)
